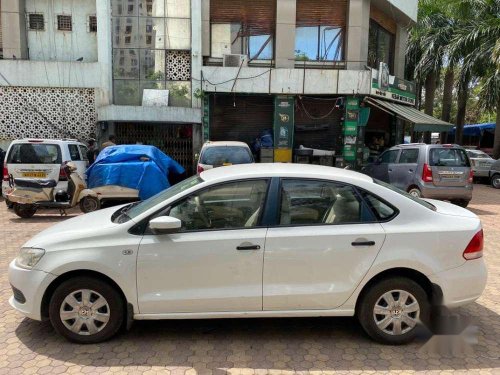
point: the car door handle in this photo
(248, 247)
(410, 170)
(363, 243)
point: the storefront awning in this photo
(422, 122)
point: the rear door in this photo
(402, 173)
(78, 158)
(450, 166)
(36, 159)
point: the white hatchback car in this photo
(221, 153)
(262, 240)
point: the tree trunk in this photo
(463, 95)
(430, 93)
(449, 79)
(496, 145)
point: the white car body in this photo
(297, 271)
(204, 166)
(49, 171)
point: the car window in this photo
(405, 194)
(478, 155)
(218, 156)
(409, 156)
(34, 153)
(74, 153)
(389, 156)
(382, 209)
(448, 157)
(228, 206)
(313, 202)
(83, 152)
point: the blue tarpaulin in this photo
(144, 168)
(476, 130)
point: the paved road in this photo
(322, 345)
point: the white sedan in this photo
(261, 240)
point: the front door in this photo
(214, 264)
(403, 172)
(324, 244)
(382, 168)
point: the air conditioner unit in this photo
(234, 60)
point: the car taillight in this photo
(474, 249)
(199, 169)
(62, 174)
(427, 173)
(471, 177)
(5, 173)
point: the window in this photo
(448, 157)
(382, 210)
(93, 24)
(218, 156)
(389, 156)
(318, 43)
(83, 152)
(409, 156)
(381, 44)
(74, 153)
(405, 194)
(34, 153)
(312, 202)
(228, 206)
(36, 22)
(64, 23)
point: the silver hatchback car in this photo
(428, 171)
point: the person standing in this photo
(111, 142)
(92, 152)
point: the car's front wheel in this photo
(86, 310)
(391, 310)
(495, 181)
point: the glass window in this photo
(260, 47)
(178, 8)
(126, 32)
(178, 33)
(225, 39)
(478, 154)
(83, 152)
(126, 66)
(152, 64)
(124, 7)
(218, 156)
(34, 153)
(389, 156)
(409, 156)
(152, 8)
(448, 157)
(311, 202)
(381, 44)
(405, 194)
(74, 153)
(381, 209)
(179, 93)
(318, 43)
(152, 33)
(126, 92)
(228, 206)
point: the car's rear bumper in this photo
(461, 285)
(447, 192)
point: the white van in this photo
(42, 159)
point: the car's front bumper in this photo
(32, 284)
(461, 285)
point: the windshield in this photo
(405, 194)
(478, 155)
(448, 157)
(135, 209)
(220, 155)
(34, 153)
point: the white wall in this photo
(408, 7)
(54, 45)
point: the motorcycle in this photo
(28, 195)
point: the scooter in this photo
(29, 195)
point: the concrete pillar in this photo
(285, 33)
(14, 29)
(400, 51)
(205, 26)
(358, 24)
(197, 40)
(104, 53)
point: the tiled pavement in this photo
(323, 345)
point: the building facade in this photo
(325, 74)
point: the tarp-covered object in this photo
(144, 168)
(476, 130)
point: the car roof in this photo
(242, 171)
(39, 140)
(224, 144)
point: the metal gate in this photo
(176, 140)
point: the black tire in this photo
(415, 191)
(89, 204)
(461, 202)
(367, 302)
(24, 211)
(9, 204)
(495, 181)
(115, 309)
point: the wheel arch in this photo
(76, 273)
(412, 186)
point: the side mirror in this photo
(165, 224)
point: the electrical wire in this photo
(301, 103)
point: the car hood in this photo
(450, 209)
(89, 225)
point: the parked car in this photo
(427, 171)
(480, 162)
(218, 154)
(262, 240)
(43, 159)
(494, 174)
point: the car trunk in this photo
(34, 160)
(449, 166)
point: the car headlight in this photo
(28, 257)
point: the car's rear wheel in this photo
(415, 192)
(461, 202)
(89, 204)
(495, 181)
(86, 310)
(391, 310)
(24, 211)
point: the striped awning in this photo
(421, 121)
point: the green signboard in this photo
(206, 118)
(352, 117)
(284, 110)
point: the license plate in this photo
(449, 177)
(35, 174)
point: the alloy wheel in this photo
(496, 182)
(396, 312)
(84, 312)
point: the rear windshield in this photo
(226, 155)
(34, 153)
(405, 194)
(448, 157)
(478, 155)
